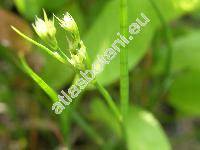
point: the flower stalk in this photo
(53, 95)
(124, 74)
(167, 72)
(109, 100)
(78, 59)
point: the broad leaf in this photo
(184, 94)
(144, 132)
(101, 113)
(29, 8)
(103, 33)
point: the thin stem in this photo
(168, 38)
(124, 74)
(53, 95)
(63, 54)
(55, 55)
(109, 100)
(49, 91)
(86, 127)
(104, 92)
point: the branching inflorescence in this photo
(78, 59)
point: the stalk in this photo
(104, 93)
(53, 95)
(86, 127)
(124, 77)
(49, 91)
(168, 61)
(58, 57)
(168, 38)
(109, 100)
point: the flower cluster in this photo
(46, 30)
(78, 59)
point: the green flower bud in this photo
(68, 23)
(46, 30)
(78, 60)
(76, 47)
(73, 37)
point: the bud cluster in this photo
(78, 59)
(46, 30)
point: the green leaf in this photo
(105, 115)
(103, 32)
(144, 132)
(29, 8)
(184, 93)
(56, 74)
(52, 4)
(52, 94)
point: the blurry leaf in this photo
(29, 8)
(144, 132)
(6, 4)
(5, 92)
(8, 38)
(103, 33)
(92, 9)
(185, 91)
(54, 4)
(101, 113)
(55, 73)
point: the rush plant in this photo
(78, 59)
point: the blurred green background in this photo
(165, 113)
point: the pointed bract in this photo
(46, 30)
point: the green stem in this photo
(167, 71)
(49, 91)
(104, 93)
(63, 54)
(168, 38)
(53, 95)
(124, 74)
(87, 128)
(109, 100)
(58, 57)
